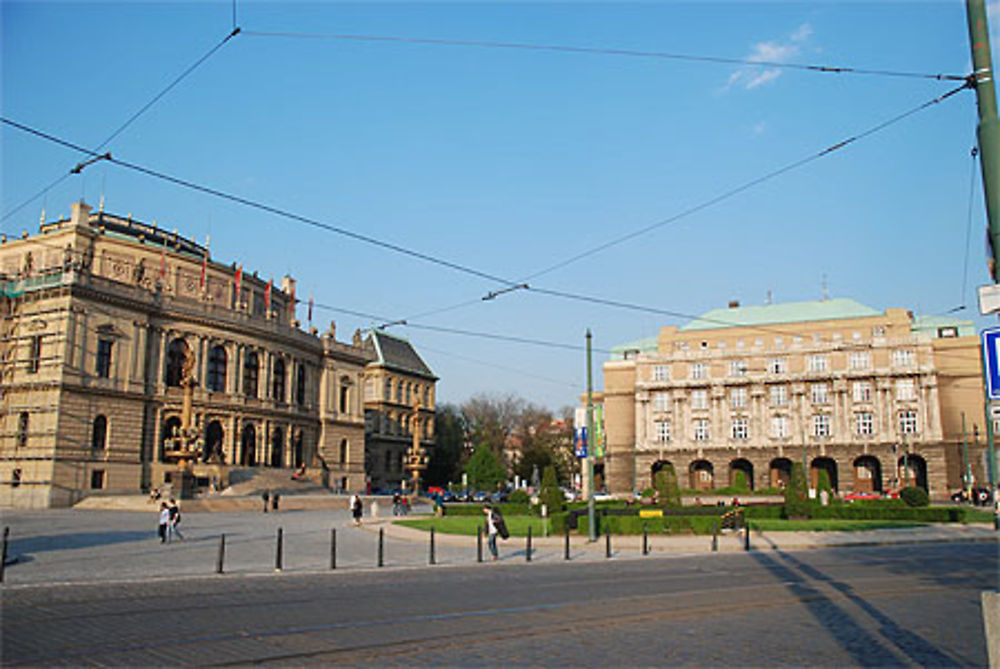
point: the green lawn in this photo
(517, 525)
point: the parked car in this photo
(852, 496)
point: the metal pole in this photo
(746, 534)
(645, 546)
(479, 543)
(715, 535)
(3, 553)
(607, 541)
(333, 548)
(966, 465)
(432, 560)
(222, 554)
(527, 553)
(566, 543)
(278, 550)
(591, 441)
(381, 546)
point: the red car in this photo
(851, 496)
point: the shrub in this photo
(740, 484)
(551, 496)
(519, 497)
(668, 491)
(797, 503)
(914, 496)
(823, 481)
(648, 493)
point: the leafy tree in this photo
(667, 488)
(551, 496)
(445, 461)
(914, 496)
(740, 481)
(797, 503)
(484, 469)
(823, 481)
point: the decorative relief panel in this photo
(116, 266)
(218, 291)
(188, 285)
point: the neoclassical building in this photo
(876, 399)
(102, 318)
(399, 400)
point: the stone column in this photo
(160, 375)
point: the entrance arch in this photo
(214, 436)
(298, 456)
(656, 468)
(741, 465)
(867, 474)
(170, 426)
(780, 472)
(913, 471)
(277, 447)
(702, 475)
(823, 464)
(248, 446)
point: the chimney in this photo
(79, 214)
(734, 304)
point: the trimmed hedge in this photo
(878, 511)
(473, 509)
(659, 525)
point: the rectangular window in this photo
(860, 361)
(878, 331)
(908, 422)
(905, 390)
(903, 357)
(740, 428)
(103, 367)
(864, 423)
(699, 370)
(35, 354)
(97, 479)
(737, 368)
(387, 390)
(738, 398)
(701, 431)
(779, 396)
(779, 427)
(662, 431)
(661, 372)
(821, 425)
(661, 401)
(819, 393)
(699, 399)
(862, 391)
(777, 365)
(817, 363)
(22, 429)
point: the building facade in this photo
(399, 402)
(102, 318)
(877, 400)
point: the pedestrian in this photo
(356, 508)
(175, 518)
(164, 522)
(374, 509)
(495, 525)
(395, 503)
(274, 501)
(265, 496)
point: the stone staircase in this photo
(253, 481)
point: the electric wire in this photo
(968, 225)
(661, 55)
(505, 368)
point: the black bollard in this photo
(3, 553)
(432, 560)
(527, 553)
(645, 545)
(479, 543)
(746, 536)
(381, 547)
(333, 548)
(278, 551)
(221, 558)
(607, 541)
(715, 535)
(566, 543)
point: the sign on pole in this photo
(991, 361)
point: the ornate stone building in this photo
(399, 399)
(876, 399)
(102, 315)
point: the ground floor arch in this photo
(913, 470)
(248, 446)
(655, 469)
(823, 464)
(867, 474)
(171, 429)
(738, 467)
(701, 475)
(214, 436)
(780, 472)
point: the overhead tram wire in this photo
(561, 48)
(260, 206)
(142, 110)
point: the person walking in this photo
(164, 523)
(494, 525)
(175, 518)
(265, 496)
(356, 508)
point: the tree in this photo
(445, 461)
(740, 481)
(797, 494)
(666, 486)
(484, 469)
(551, 496)
(823, 481)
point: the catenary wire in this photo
(661, 55)
(968, 224)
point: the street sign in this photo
(991, 360)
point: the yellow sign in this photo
(650, 513)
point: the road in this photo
(910, 605)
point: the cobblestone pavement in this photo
(915, 605)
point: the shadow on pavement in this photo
(61, 542)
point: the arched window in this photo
(177, 353)
(99, 435)
(343, 451)
(278, 382)
(170, 426)
(407, 394)
(251, 370)
(300, 384)
(345, 388)
(277, 447)
(387, 395)
(217, 369)
(399, 392)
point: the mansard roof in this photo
(396, 354)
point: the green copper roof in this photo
(933, 324)
(644, 345)
(773, 314)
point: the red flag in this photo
(239, 281)
(291, 305)
(204, 263)
(310, 310)
(267, 298)
(163, 261)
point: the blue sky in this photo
(510, 161)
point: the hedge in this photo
(477, 509)
(657, 525)
(856, 511)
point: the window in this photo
(216, 381)
(661, 372)
(864, 423)
(903, 357)
(387, 392)
(878, 331)
(779, 427)
(908, 422)
(777, 365)
(300, 384)
(819, 394)
(862, 391)
(699, 399)
(15, 478)
(740, 428)
(22, 429)
(35, 354)
(947, 332)
(278, 382)
(821, 425)
(662, 431)
(737, 368)
(661, 401)
(778, 342)
(343, 451)
(699, 370)
(905, 390)
(779, 395)
(738, 398)
(701, 431)
(817, 363)
(251, 371)
(177, 353)
(399, 392)
(427, 398)
(860, 361)
(408, 402)
(99, 434)
(97, 479)
(345, 388)
(103, 367)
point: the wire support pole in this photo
(591, 524)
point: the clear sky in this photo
(509, 161)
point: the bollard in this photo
(479, 543)
(278, 550)
(432, 560)
(222, 554)
(527, 553)
(381, 547)
(3, 553)
(645, 545)
(746, 536)
(333, 548)
(566, 543)
(715, 535)
(607, 541)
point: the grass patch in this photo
(978, 515)
(466, 525)
(829, 525)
